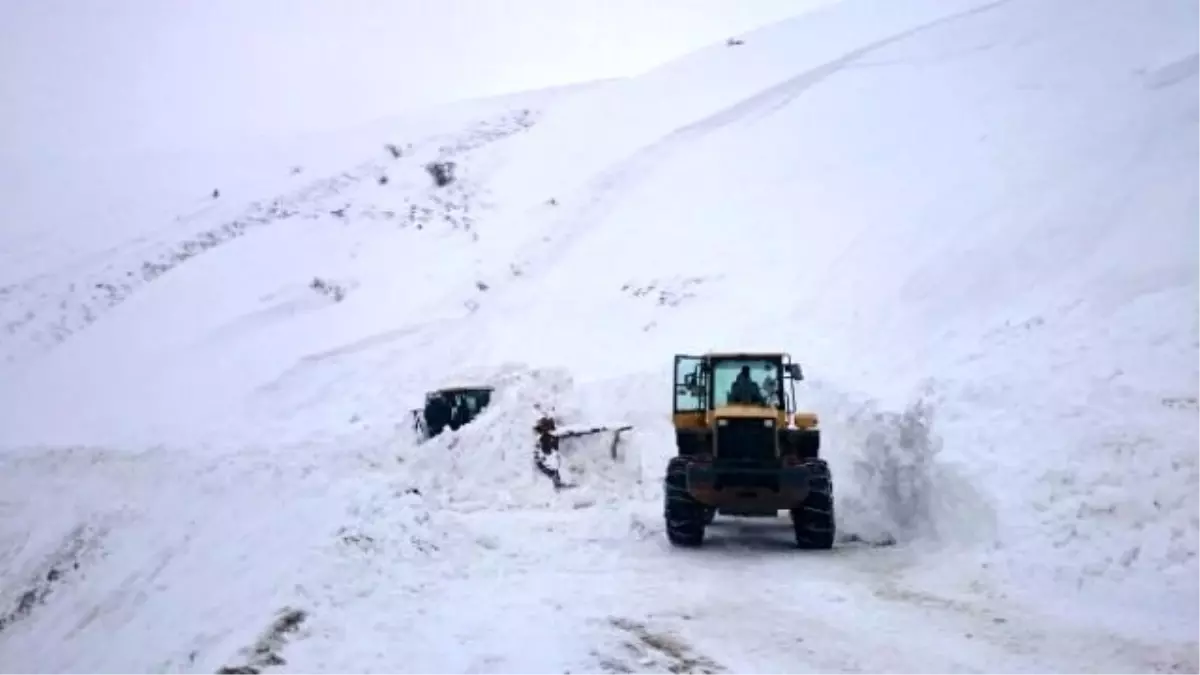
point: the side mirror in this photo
(795, 372)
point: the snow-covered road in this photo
(390, 580)
(749, 602)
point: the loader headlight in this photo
(769, 424)
(722, 423)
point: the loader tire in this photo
(813, 520)
(685, 517)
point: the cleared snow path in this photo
(607, 584)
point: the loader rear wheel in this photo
(685, 517)
(813, 520)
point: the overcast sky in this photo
(163, 73)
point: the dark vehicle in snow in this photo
(451, 408)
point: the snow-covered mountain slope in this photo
(974, 223)
(63, 265)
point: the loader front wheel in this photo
(685, 517)
(813, 520)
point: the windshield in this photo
(475, 400)
(746, 382)
(480, 400)
(472, 400)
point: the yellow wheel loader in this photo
(742, 449)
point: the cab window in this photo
(690, 394)
(762, 389)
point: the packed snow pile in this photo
(892, 483)
(489, 464)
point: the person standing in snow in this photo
(545, 454)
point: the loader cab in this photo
(711, 385)
(450, 408)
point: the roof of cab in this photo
(454, 390)
(747, 355)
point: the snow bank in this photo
(892, 483)
(488, 464)
(99, 546)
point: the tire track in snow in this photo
(754, 607)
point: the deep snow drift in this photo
(974, 223)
